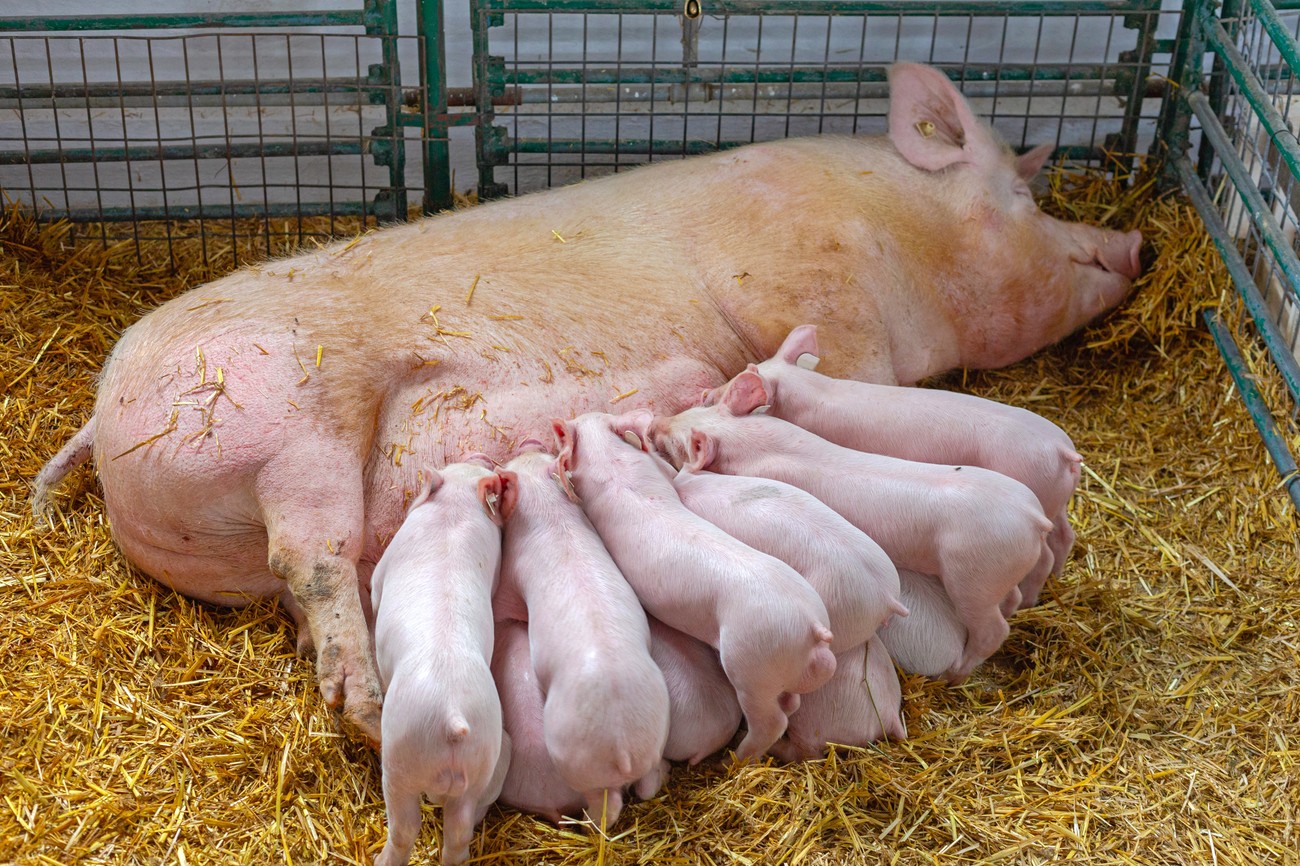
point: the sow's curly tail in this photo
(70, 456)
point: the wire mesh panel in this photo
(599, 85)
(1257, 140)
(249, 130)
(1244, 99)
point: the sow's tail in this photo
(70, 456)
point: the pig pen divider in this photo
(251, 133)
(1243, 185)
(226, 126)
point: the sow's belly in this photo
(493, 406)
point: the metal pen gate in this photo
(248, 133)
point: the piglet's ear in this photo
(703, 451)
(489, 493)
(931, 123)
(565, 445)
(509, 493)
(801, 341)
(563, 431)
(532, 443)
(427, 490)
(745, 393)
(1029, 164)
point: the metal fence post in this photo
(1174, 135)
(433, 78)
(387, 145)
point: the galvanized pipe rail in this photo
(1204, 29)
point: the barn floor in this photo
(1147, 712)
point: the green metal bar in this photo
(210, 212)
(1218, 86)
(675, 147)
(1277, 31)
(823, 7)
(658, 146)
(433, 72)
(178, 21)
(1274, 441)
(1173, 129)
(1259, 211)
(1135, 77)
(155, 152)
(389, 144)
(489, 139)
(787, 75)
(443, 121)
(1251, 87)
(1251, 298)
(45, 92)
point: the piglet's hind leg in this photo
(404, 820)
(457, 829)
(766, 721)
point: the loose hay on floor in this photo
(1147, 712)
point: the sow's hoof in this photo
(363, 714)
(352, 680)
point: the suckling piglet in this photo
(533, 784)
(606, 711)
(768, 625)
(704, 711)
(978, 530)
(854, 577)
(928, 425)
(441, 724)
(931, 639)
(861, 704)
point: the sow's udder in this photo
(433, 423)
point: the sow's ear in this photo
(703, 451)
(801, 341)
(1029, 164)
(745, 393)
(931, 123)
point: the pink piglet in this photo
(768, 625)
(861, 704)
(928, 425)
(441, 723)
(606, 714)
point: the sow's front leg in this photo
(314, 523)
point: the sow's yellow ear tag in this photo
(926, 128)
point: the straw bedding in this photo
(1147, 712)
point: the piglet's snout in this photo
(658, 433)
